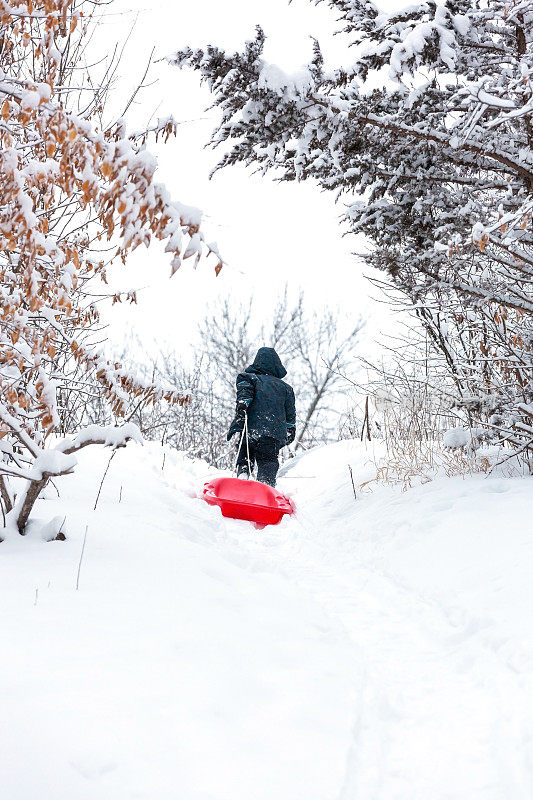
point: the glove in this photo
(235, 427)
(291, 435)
(238, 423)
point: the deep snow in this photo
(370, 649)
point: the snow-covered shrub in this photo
(414, 413)
(410, 466)
(456, 438)
(69, 192)
(467, 439)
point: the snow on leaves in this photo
(72, 197)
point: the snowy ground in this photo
(378, 649)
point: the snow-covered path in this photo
(444, 701)
(436, 713)
(370, 650)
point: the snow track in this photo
(377, 649)
(435, 712)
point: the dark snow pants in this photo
(263, 452)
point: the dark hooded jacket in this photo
(265, 398)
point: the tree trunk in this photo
(30, 496)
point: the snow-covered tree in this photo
(74, 194)
(432, 128)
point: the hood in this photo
(267, 362)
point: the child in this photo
(267, 403)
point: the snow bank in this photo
(369, 648)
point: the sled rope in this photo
(243, 434)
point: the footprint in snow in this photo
(93, 767)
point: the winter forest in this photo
(266, 399)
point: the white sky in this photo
(268, 233)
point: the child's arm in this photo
(245, 395)
(245, 392)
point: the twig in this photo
(507, 458)
(81, 557)
(103, 479)
(366, 422)
(60, 536)
(353, 484)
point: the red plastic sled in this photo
(249, 500)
